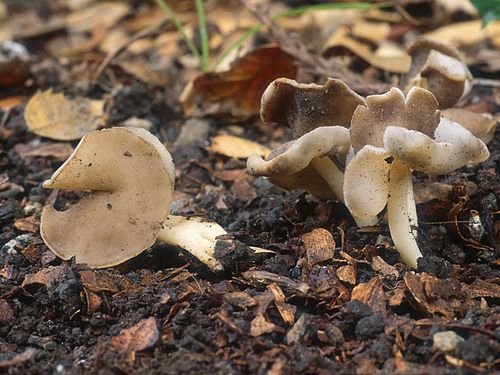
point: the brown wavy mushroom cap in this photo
(439, 68)
(306, 106)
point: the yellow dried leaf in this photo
(236, 147)
(53, 116)
(467, 33)
(100, 15)
(388, 57)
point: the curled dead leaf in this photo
(237, 91)
(53, 116)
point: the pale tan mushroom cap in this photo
(130, 176)
(439, 68)
(453, 147)
(304, 107)
(289, 166)
(417, 112)
(482, 126)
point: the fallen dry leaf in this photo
(93, 300)
(467, 33)
(236, 147)
(287, 312)
(53, 116)
(141, 336)
(260, 326)
(434, 295)
(347, 274)
(380, 265)
(58, 151)
(98, 281)
(372, 294)
(238, 91)
(91, 17)
(319, 244)
(46, 276)
(388, 57)
(6, 314)
(27, 224)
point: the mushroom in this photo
(390, 137)
(319, 117)
(439, 68)
(130, 175)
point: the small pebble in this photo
(446, 341)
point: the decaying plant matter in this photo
(130, 175)
(390, 136)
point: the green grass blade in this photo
(295, 12)
(180, 28)
(202, 24)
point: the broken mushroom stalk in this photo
(130, 176)
(392, 136)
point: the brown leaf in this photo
(6, 314)
(58, 151)
(372, 294)
(98, 281)
(54, 116)
(93, 301)
(141, 336)
(46, 276)
(379, 265)
(240, 299)
(27, 224)
(236, 147)
(265, 277)
(347, 274)
(287, 312)
(319, 244)
(238, 90)
(260, 326)
(481, 288)
(434, 295)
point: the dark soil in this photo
(209, 323)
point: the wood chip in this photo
(141, 336)
(319, 244)
(372, 294)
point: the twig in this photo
(458, 326)
(486, 82)
(140, 35)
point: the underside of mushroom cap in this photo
(453, 147)
(417, 112)
(304, 107)
(366, 182)
(292, 165)
(439, 68)
(130, 176)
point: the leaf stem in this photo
(202, 24)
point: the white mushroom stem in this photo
(402, 213)
(334, 178)
(194, 235)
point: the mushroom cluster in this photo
(130, 176)
(362, 152)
